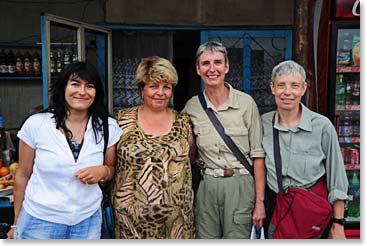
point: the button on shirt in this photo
(240, 118)
(308, 151)
(53, 193)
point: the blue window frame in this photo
(252, 55)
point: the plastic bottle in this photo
(11, 63)
(3, 63)
(340, 92)
(348, 92)
(345, 128)
(74, 56)
(354, 187)
(52, 62)
(355, 92)
(37, 70)
(59, 62)
(67, 57)
(28, 64)
(356, 125)
(19, 65)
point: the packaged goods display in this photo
(28, 62)
(353, 206)
(347, 111)
(20, 63)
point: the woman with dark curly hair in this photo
(64, 152)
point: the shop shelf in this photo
(348, 69)
(349, 166)
(21, 78)
(349, 140)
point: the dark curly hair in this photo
(98, 110)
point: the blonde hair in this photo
(156, 69)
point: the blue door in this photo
(252, 56)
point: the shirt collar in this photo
(304, 124)
(231, 102)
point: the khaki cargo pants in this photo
(223, 207)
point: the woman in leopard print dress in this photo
(152, 192)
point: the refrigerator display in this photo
(345, 85)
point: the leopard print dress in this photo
(152, 193)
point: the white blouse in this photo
(53, 193)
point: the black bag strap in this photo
(277, 157)
(231, 145)
(105, 138)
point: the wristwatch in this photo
(338, 221)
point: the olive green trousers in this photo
(223, 207)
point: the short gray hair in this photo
(288, 68)
(211, 46)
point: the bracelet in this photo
(13, 226)
(108, 174)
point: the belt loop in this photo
(216, 173)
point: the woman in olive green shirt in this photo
(308, 142)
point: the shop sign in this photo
(347, 9)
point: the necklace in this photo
(76, 131)
(76, 135)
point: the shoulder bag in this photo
(299, 213)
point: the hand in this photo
(91, 175)
(336, 232)
(258, 214)
(11, 233)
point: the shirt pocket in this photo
(306, 164)
(206, 138)
(240, 137)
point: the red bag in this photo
(301, 213)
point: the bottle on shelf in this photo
(340, 92)
(346, 127)
(28, 67)
(356, 125)
(74, 56)
(67, 57)
(11, 63)
(354, 191)
(59, 62)
(19, 65)
(348, 92)
(3, 63)
(36, 59)
(52, 62)
(355, 91)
